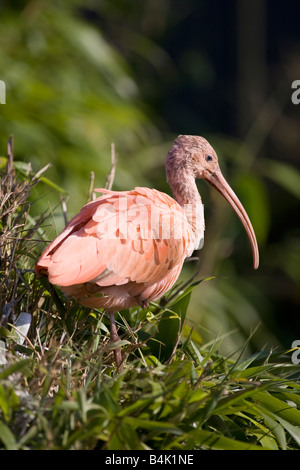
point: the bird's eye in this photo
(208, 158)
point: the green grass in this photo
(58, 384)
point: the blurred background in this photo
(81, 75)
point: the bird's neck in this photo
(184, 189)
(185, 192)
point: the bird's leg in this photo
(114, 337)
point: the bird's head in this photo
(196, 156)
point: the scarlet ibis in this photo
(127, 248)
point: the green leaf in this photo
(7, 437)
(136, 406)
(279, 407)
(234, 401)
(23, 366)
(278, 425)
(52, 185)
(8, 401)
(287, 176)
(275, 428)
(157, 426)
(170, 325)
(212, 440)
(24, 169)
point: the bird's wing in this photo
(138, 236)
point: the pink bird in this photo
(127, 248)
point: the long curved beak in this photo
(218, 181)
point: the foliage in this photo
(69, 399)
(58, 384)
(70, 91)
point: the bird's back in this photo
(123, 249)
